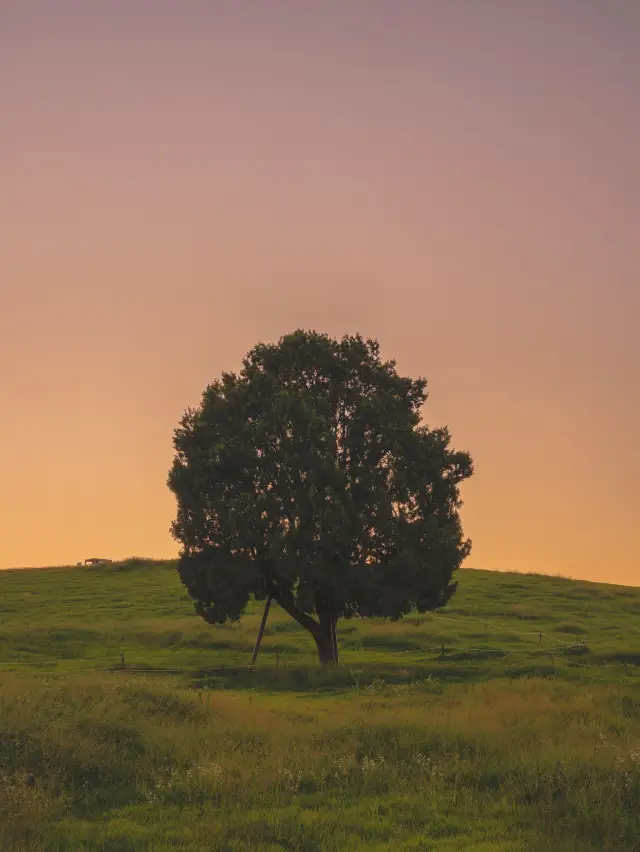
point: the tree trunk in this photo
(335, 640)
(322, 630)
(325, 644)
(325, 636)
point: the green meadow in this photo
(509, 721)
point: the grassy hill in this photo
(78, 618)
(523, 735)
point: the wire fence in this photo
(489, 624)
(561, 651)
(46, 667)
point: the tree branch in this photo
(285, 599)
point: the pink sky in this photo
(459, 179)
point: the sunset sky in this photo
(460, 179)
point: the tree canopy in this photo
(308, 477)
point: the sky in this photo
(460, 180)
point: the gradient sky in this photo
(460, 179)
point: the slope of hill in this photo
(70, 618)
(523, 736)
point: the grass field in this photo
(509, 722)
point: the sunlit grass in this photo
(128, 762)
(87, 617)
(495, 745)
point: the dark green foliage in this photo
(309, 477)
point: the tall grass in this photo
(125, 762)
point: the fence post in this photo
(256, 647)
(122, 659)
(277, 659)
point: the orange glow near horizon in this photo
(460, 181)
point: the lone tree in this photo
(307, 478)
